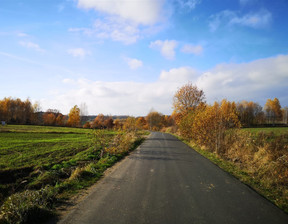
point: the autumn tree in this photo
(250, 113)
(16, 111)
(187, 97)
(154, 120)
(74, 117)
(60, 120)
(206, 125)
(117, 124)
(87, 125)
(141, 123)
(130, 124)
(98, 122)
(108, 122)
(273, 110)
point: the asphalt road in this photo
(164, 181)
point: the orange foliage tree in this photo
(141, 123)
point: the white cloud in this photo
(78, 52)
(133, 63)
(146, 12)
(251, 81)
(192, 49)
(258, 20)
(167, 47)
(125, 21)
(182, 74)
(31, 45)
(120, 98)
(256, 80)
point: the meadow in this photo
(276, 130)
(55, 161)
(36, 146)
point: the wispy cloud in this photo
(188, 4)
(117, 29)
(133, 63)
(20, 34)
(31, 45)
(113, 28)
(192, 49)
(166, 47)
(247, 2)
(258, 20)
(78, 52)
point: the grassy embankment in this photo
(259, 158)
(40, 166)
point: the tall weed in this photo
(27, 206)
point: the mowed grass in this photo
(37, 146)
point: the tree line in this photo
(16, 111)
(187, 99)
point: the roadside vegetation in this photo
(42, 166)
(257, 156)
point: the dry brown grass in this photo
(264, 157)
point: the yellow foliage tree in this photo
(74, 117)
(206, 125)
(273, 110)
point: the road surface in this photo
(165, 181)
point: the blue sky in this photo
(127, 57)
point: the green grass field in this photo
(37, 146)
(276, 131)
(33, 156)
(58, 161)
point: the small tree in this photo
(154, 120)
(74, 117)
(273, 110)
(130, 124)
